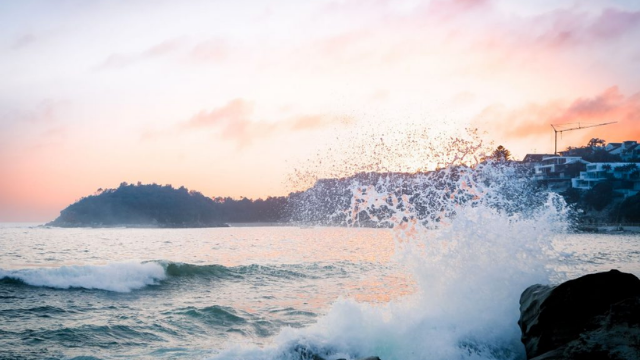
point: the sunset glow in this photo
(230, 98)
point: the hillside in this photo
(142, 205)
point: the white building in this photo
(626, 177)
(558, 171)
(627, 150)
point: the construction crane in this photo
(556, 131)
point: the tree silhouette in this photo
(596, 142)
(594, 151)
(501, 154)
(165, 206)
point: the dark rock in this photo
(593, 317)
(311, 353)
(304, 353)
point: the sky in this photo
(230, 97)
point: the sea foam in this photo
(118, 277)
(474, 239)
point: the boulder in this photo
(591, 317)
(306, 353)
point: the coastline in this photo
(609, 228)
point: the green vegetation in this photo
(600, 196)
(164, 206)
(594, 151)
(500, 154)
(603, 205)
(630, 209)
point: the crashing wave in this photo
(474, 233)
(118, 277)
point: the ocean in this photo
(284, 292)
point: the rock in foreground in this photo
(596, 316)
(306, 353)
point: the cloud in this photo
(614, 23)
(308, 122)
(235, 111)
(235, 121)
(316, 121)
(454, 8)
(601, 105)
(163, 48)
(574, 27)
(212, 50)
(119, 60)
(463, 98)
(23, 41)
(44, 112)
(489, 37)
(41, 127)
(533, 120)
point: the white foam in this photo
(470, 273)
(118, 277)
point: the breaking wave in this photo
(118, 277)
(128, 276)
(474, 235)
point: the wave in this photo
(128, 276)
(177, 269)
(283, 271)
(485, 236)
(117, 277)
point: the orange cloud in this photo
(233, 121)
(235, 111)
(533, 120)
(309, 122)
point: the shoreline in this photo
(580, 228)
(609, 228)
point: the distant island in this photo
(153, 205)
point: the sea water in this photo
(283, 292)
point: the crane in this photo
(556, 131)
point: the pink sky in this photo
(229, 98)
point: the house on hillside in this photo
(624, 176)
(627, 150)
(556, 172)
(534, 158)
